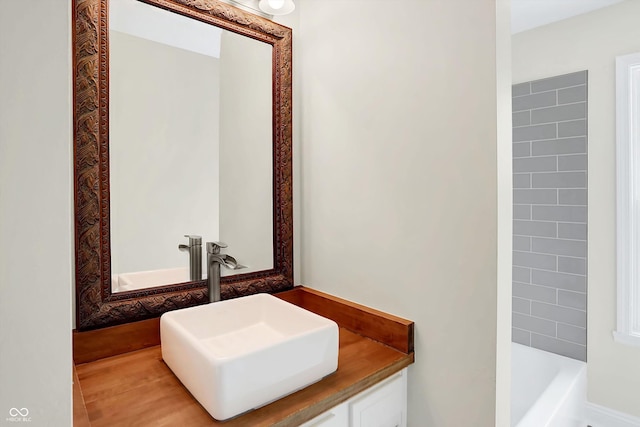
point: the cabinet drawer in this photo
(382, 406)
(335, 417)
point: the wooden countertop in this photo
(137, 388)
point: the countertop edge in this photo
(80, 414)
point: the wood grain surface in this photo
(80, 415)
(386, 328)
(93, 345)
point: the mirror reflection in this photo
(190, 147)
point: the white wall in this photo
(35, 210)
(591, 42)
(399, 184)
(505, 212)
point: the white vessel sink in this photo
(240, 354)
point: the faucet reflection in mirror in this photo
(195, 256)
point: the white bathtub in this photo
(547, 390)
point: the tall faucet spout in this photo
(195, 256)
(214, 260)
(213, 279)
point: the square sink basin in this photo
(240, 354)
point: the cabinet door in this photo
(335, 417)
(384, 405)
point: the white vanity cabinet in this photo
(335, 417)
(382, 405)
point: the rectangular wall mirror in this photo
(182, 118)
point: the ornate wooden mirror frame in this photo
(96, 305)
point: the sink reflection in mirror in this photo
(146, 279)
(190, 147)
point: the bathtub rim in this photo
(558, 390)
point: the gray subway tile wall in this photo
(534, 292)
(550, 214)
(573, 197)
(534, 133)
(559, 82)
(559, 213)
(534, 228)
(560, 113)
(521, 305)
(560, 145)
(521, 336)
(572, 265)
(572, 128)
(521, 180)
(559, 180)
(558, 346)
(557, 281)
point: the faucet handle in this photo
(214, 247)
(194, 240)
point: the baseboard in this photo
(600, 416)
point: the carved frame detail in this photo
(96, 306)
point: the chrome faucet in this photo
(214, 260)
(195, 256)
